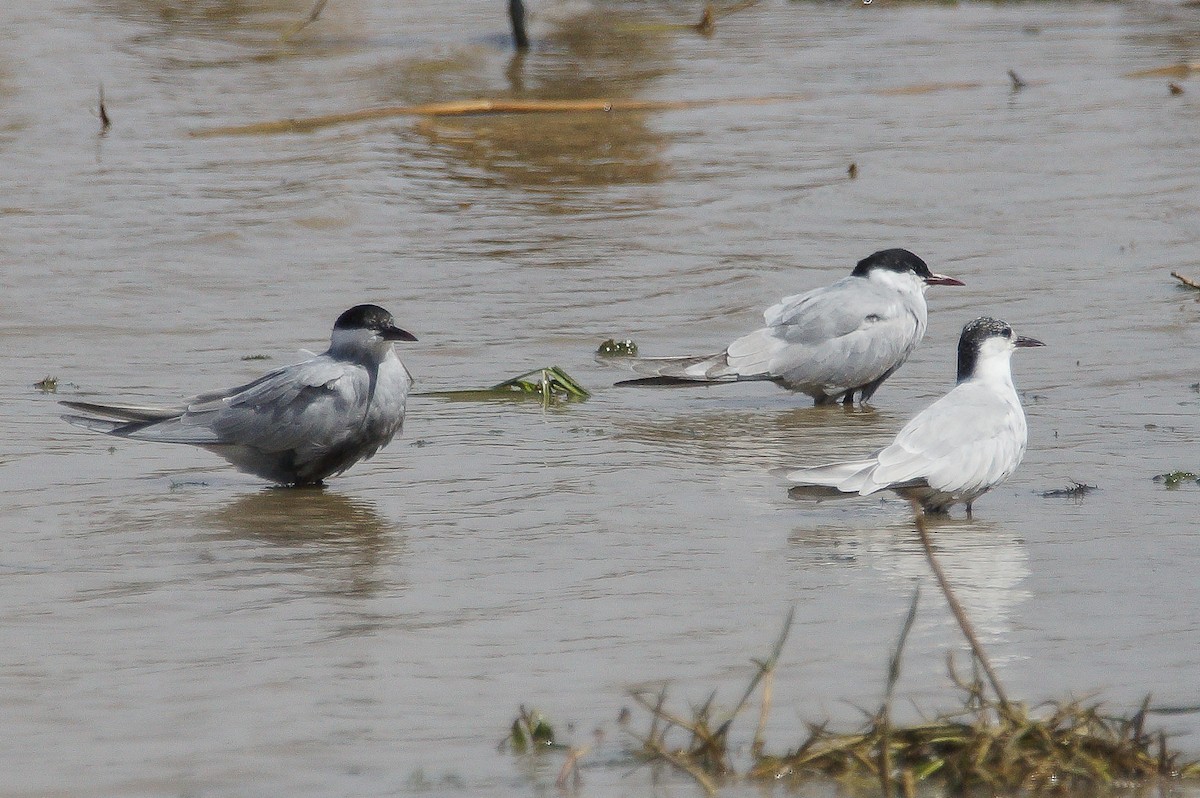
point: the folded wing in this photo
(288, 408)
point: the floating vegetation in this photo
(529, 731)
(1174, 88)
(988, 746)
(614, 348)
(256, 357)
(1076, 490)
(551, 384)
(1174, 479)
(47, 384)
(1015, 79)
(852, 170)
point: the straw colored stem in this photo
(1188, 281)
(956, 608)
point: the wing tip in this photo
(101, 425)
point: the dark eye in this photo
(1007, 331)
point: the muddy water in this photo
(168, 626)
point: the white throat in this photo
(905, 283)
(994, 364)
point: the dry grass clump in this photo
(990, 745)
(984, 747)
(707, 757)
(1058, 747)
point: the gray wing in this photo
(842, 336)
(968, 440)
(122, 413)
(314, 403)
(304, 404)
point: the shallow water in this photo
(168, 626)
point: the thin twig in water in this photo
(956, 608)
(105, 122)
(885, 711)
(766, 674)
(1172, 71)
(482, 107)
(683, 763)
(756, 747)
(516, 18)
(478, 107)
(570, 767)
(707, 754)
(312, 17)
(1188, 281)
(767, 665)
(717, 13)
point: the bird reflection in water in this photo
(346, 541)
(579, 52)
(986, 564)
(756, 438)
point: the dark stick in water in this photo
(516, 13)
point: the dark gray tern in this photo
(956, 449)
(296, 425)
(829, 343)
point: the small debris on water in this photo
(1076, 490)
(529, 730)
(614, 348)
(1174, 479)
(1017, 83)
(852, 170)
(47, 384)
(256, 357)
(105, 122)
(1175, 89)
(187, 483)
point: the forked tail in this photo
(689, 370)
